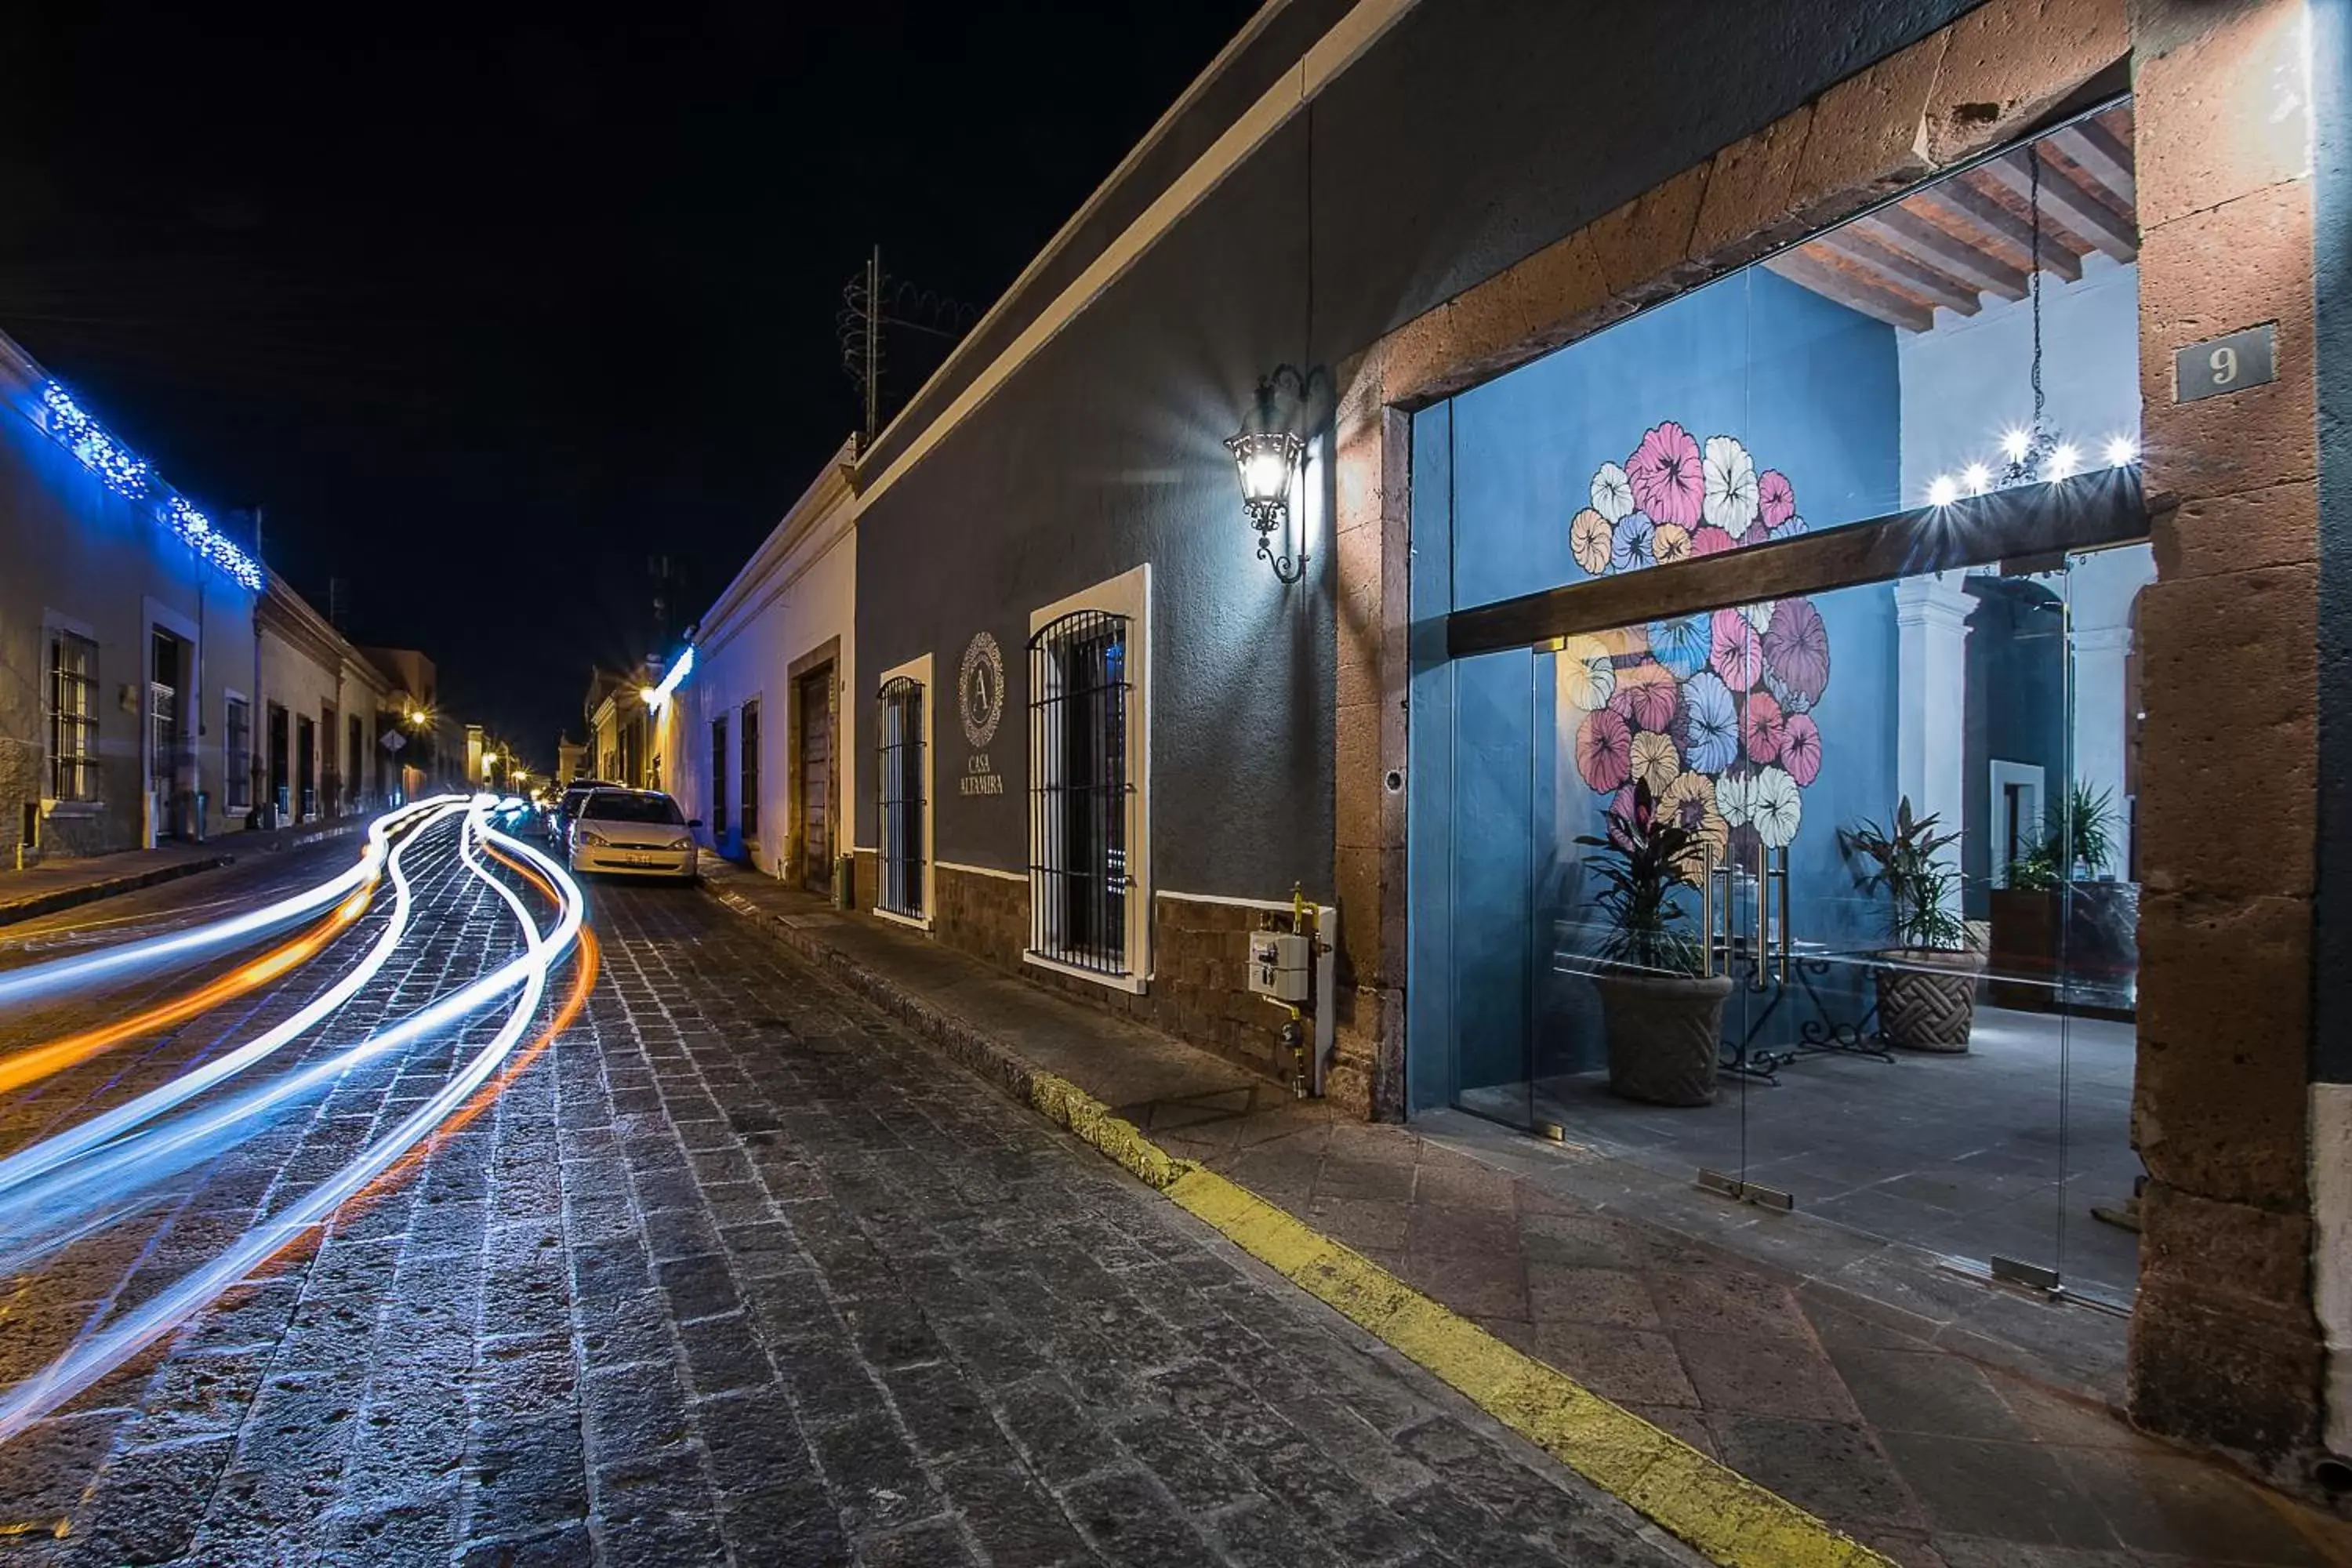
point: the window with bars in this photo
(900, 730)
(1080, 791)
(237, 754)
(73, 716)
(747, 802)
(717, 779)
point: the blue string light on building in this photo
(127, 474)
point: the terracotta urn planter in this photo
(1664, 1035)
(1927, 998)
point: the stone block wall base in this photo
(2212, 1374)
(1197, 992)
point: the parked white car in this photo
(632, 833)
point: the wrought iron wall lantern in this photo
(1268, 456)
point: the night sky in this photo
(482, 312)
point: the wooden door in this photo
(815, 768)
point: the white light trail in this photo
(36, 981)
(50, 1153)
(97, 1354)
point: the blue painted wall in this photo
(1811, 389)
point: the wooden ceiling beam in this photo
(2067, 201)
(1906, 272)
(1904, 229)
(1843, 288)
(1971, 205)
(2101, 154)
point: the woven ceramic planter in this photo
(1664, 1036)
(1928, 1000)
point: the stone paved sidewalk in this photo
(63, 884)
(1898, 1418)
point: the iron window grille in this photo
(901, 793)
(1079, 793)
(237, 754)
(718, 778)
(73, 716)
(747, 797)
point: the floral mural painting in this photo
(1714, 712)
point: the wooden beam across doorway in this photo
(2085, 512)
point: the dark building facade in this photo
(1776, 422)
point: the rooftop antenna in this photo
(873, 301)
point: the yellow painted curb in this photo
(1716, 1509)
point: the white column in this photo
(1931, 620)
(2101, 590)
(2102, 721)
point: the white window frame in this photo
(919, 670)
(1127, 595)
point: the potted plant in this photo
(2056, 895)
(1662, 1018)
(1927, 979)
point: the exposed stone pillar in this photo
(2225, 1348)
(1931, 622)
(1372, 476)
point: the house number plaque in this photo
(2220, 366)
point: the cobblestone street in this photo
(738, 1271)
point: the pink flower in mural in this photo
(1728, 474)
(1739, 652)
(1711, 711)
(1801, 748)
(1646, 696)
(1796, 653)
(1665, 475)
(1612, 493)
(1588, 541)
(1604, 750)
(1761, 724)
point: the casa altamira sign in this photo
(980, 694)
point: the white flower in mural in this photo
(1759, 614)
(1734, 799)
(1776, 807)
(1586, 675)
(1730, 475)
(1612, 493)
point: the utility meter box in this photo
(1279, 966)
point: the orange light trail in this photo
(37, 1062)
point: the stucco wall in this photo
(76, 551)
(804, 604)
(1469, 136)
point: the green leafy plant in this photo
(2077, 834)
(1645, 857)
(1905, 862)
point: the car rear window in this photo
(608, 806)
